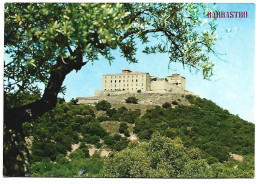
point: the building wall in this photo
(158, 86)
(148, 82)
(129, 81)
(178, 80)
(164, 86)
(82, 100)
(126, 82)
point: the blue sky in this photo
(231, 87)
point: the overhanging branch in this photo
(13, 118)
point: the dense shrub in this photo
(131, 100)
(98, 145)
(130, 116)
(203, 124)
(74, 101)
(91, 139)
(145, 134)
(126, 133)
(174, 102)
(122, 127)
(166, 105)
(103, 118)
(108, 140)
(122, 109)
(83, 145)
(103, 105)
(60, 100)
(160, 157)
(116, 117)
(111, 112)
(190, 98)
(116, 142)
(95, 129)
(117, 137)
(78, 166)
(120, 144)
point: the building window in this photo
(115, 81)
(132, 80)
(142, 84)
(123, 85)
(123, 80)
(111, 81)
(136, 80)
(119, 76)
(127, 84)
(136, 84)
(119, 80)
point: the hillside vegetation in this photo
(173, 140)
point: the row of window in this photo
(122, 89)
(123, 85)
(119, 76)
(123, 80)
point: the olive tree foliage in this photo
(161, 157)
(46, 41)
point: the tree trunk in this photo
(16, 157)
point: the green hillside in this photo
(171, 140)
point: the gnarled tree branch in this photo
(49, 99)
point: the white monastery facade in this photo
(134, 82)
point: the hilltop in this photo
(206, 139)
(145, 100)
